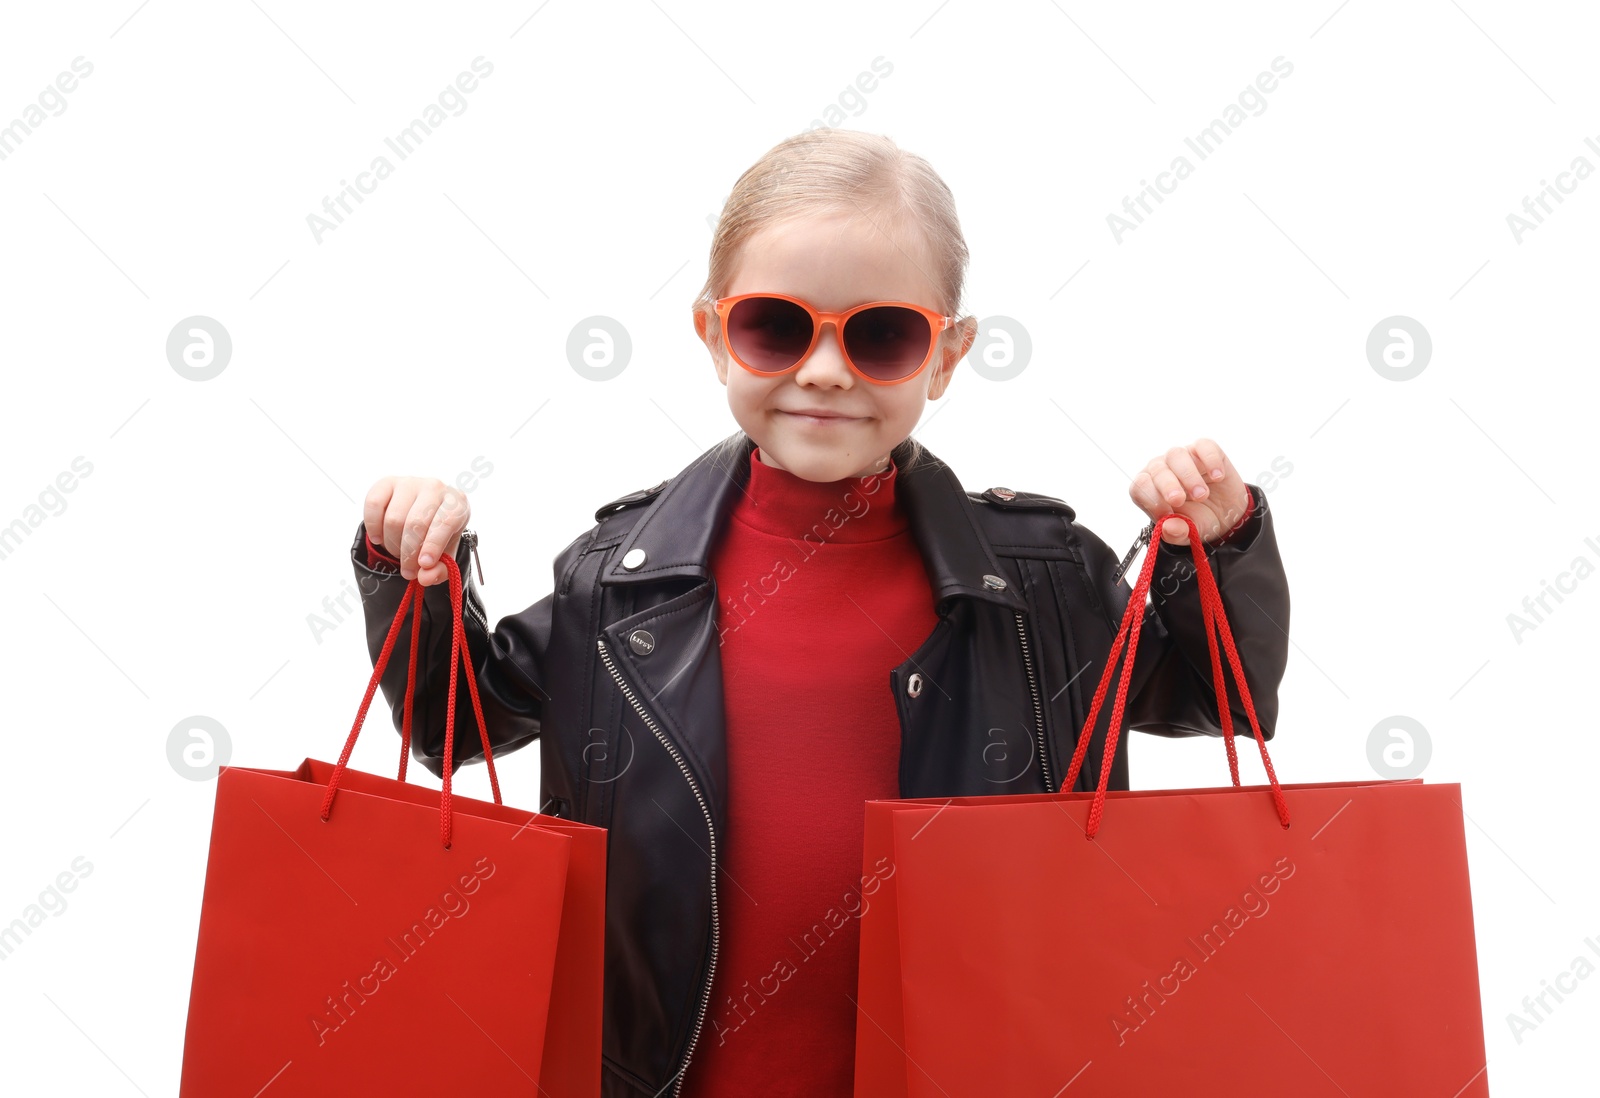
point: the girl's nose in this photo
(826, 365)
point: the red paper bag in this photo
(1303, 940)
(361, 935)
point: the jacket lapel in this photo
(669, 651)
(674, 536)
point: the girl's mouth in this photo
(820, 420)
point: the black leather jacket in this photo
(616, 672)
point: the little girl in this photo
(812, 614)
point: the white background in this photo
(427, 329)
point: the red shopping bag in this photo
(1307, 940)
(362, 935)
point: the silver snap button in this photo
(1004, 493)
(633, 558)
(994, 583)
(914, 684)
(642, 642)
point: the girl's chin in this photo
(810, 464)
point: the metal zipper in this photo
(1133, 551)
(471, 538)
(1038, 709)
(705, 999)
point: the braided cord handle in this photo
(1216, 623)
(460, 655)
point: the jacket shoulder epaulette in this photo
(632, 499)
(1006, 499)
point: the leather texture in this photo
(631, 729)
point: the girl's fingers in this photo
(373, 508)
(394, 519)
(1178, 479)
(418, 522)
(1182, 464)
(1212, 462)
(1171, 489)
(1144, 494)
(448, 521)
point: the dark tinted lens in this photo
(888, 342)
(768, 333)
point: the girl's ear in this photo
(953, 347)
(967, 327)
(703, 329)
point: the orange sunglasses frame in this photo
(937, 322)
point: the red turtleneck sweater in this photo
(821, 592)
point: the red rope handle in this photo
(459, 650)
(411, 675)
(472, 684)
(1216, 623)
(460, 656)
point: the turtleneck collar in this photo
(853, 509)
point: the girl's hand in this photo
(418, 520)
(1197, 481)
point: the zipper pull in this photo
(472, 545)
(1133, 551)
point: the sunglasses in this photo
(884, 342)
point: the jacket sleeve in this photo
(1171, 693)
(509, 664)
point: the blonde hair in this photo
(826, 171)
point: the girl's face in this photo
(833, 261)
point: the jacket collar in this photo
(675, 539)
